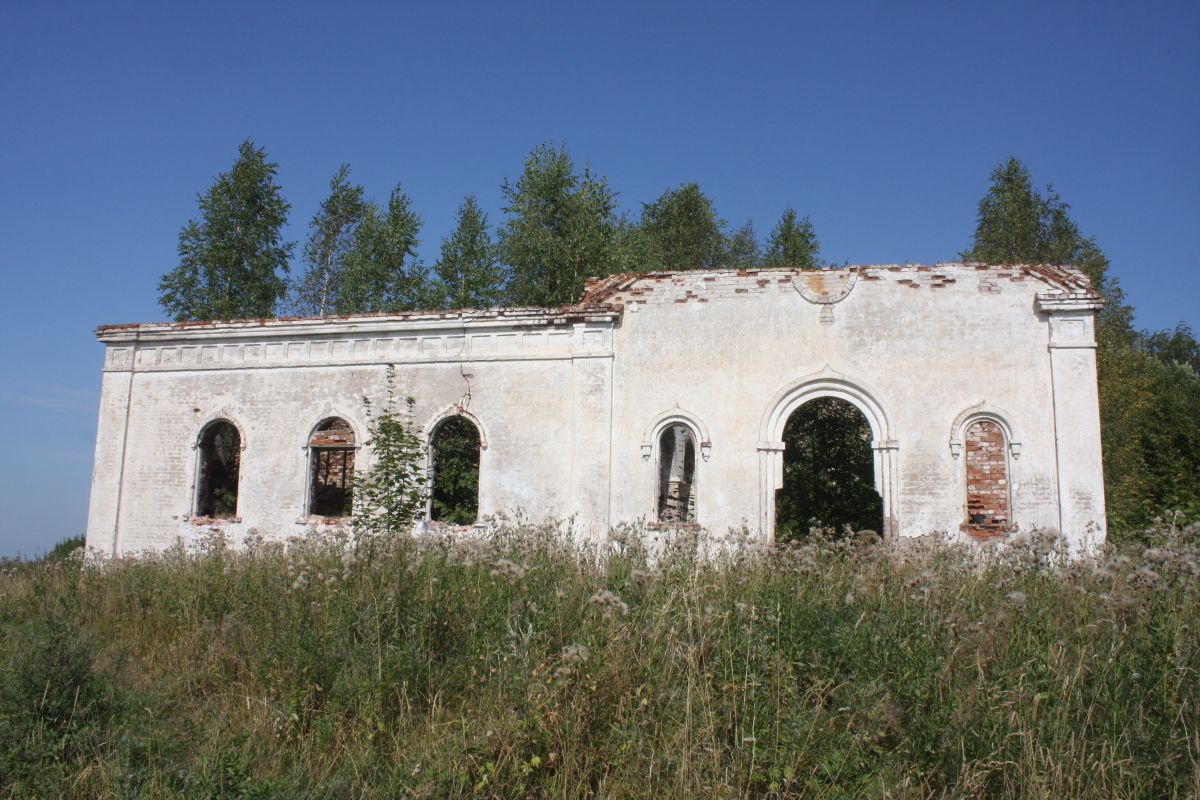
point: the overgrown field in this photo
(524, 666)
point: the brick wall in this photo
(988, 513)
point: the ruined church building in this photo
(658, 399)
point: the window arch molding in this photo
(827, 382)
(356, 427)
(213, 418)
(989, 413)
(430, 429)
(675, 415)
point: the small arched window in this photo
(988, 510)
(217, 476)
(331, 469)
(454, 463)
(676, 474)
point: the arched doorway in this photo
(828, 471)
(883, 444)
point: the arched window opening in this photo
(828, 472)
(331, 469)
(454, 497)
(988, 511)
(676, 474)
(217, 483)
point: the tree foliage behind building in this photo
(1148, 382)
(561, 229)
(233, 261)
(333, 236)
(468, 274)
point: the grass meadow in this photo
(523, 665)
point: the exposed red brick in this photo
(988, 512)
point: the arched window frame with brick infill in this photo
(983, 416)
(343, 445)
(674, 418)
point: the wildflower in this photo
(575, 653)
(1155, 555)
(610, 603)
(503, 567)
(1142, 576)
(1016, 598)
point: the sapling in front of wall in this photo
(390, 495)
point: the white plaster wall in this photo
(926, 353)
(566, 400)
(527, 388)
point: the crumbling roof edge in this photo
(1059, 278)
(599, 300)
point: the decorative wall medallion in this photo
(825, 288)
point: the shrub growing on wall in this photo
(391, 494)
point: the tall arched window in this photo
(454, 463)
(676, 474)
(988, 510)
(220, 449)
(331, 469)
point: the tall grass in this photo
(525, 666)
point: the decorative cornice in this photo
(215, 350)
(408, 324)
(1061, 302)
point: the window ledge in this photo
(209, 522)
(673, 526)
(317, 519)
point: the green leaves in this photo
(390, 495)
(232, 261)
(382, 271)
(561, 229)
(793, 243)
(333, 234)
(468, 274)
(683, 230)
(362, 258)
(1019, 225)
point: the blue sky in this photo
(880, 120)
